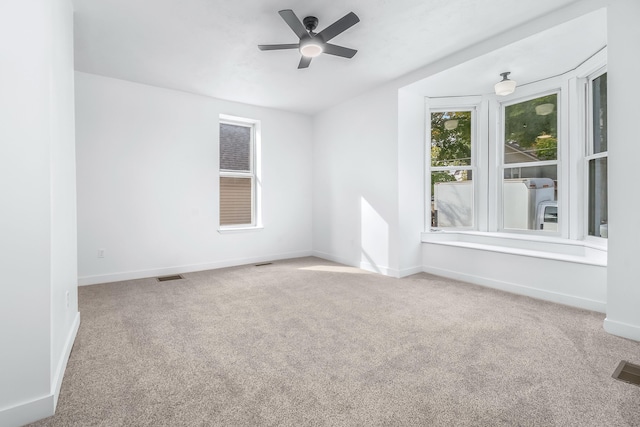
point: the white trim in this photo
(28, 412)
(45, 406)
(374, 268)
(556, 297)
(622, 329)
(255, 166)
(62, 365)
(474, 105)
(239, 229)
(536, 246)
(406, 272)
(163, 271)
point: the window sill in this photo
(240, 229)
(554, 248)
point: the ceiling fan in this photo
(312, 44)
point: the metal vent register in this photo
(167, 278)
(627, 372)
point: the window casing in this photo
(238, 173)
(596, 156)
(530, 167)
(451, 162)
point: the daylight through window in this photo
(237, 177)
(530, 167)
(452, 169)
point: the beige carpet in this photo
(308, 342)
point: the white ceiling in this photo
(546, 54)
(209, 47)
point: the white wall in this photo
(369, 188)
(64, 247)
(37, 248)
(355, 216)
(557, 280)
(147, 170)
(623, 293)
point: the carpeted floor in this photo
(308, 342)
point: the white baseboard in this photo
(385, 271)
(141, 274)
(571, 300)
(410, 271)
(361, 264)
(27, 412)
(62, 365)
(44, 406)
(331, 257)
(622, 329)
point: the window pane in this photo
(452, 204)
(531, 130)
(451, 138)
(599, 86)
(235, 147)
(530, 202)
(235, 201)
(598, 220)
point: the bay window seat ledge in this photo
(554, 248)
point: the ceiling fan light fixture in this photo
(311, 48)
(505, 86)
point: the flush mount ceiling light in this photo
(450, 124)
(544, 109)
(505, 86)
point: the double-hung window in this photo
(530, 167)
(596, 158)
(452, 168)
(238, 205)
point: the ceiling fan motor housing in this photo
(310, 23)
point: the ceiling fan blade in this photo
(294, 23)
(277, 46)
(344, 52)
(342, 24)
(304, 62)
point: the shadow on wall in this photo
(374, 238)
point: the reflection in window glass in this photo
(598, 221)
(531, 130)
(452, 204)
(599, 87)
(530, 201)
(451, 138)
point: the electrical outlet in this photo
(67, 298)
(101, 253)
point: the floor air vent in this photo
(167, 278)
(627, 372)
(264, 263)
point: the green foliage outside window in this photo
(533, 127)
(451, 146)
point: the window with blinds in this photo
(237, 174)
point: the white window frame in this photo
(456, 104)
(589, 152)
(553, 87)
(254, 172)
(573, 243)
